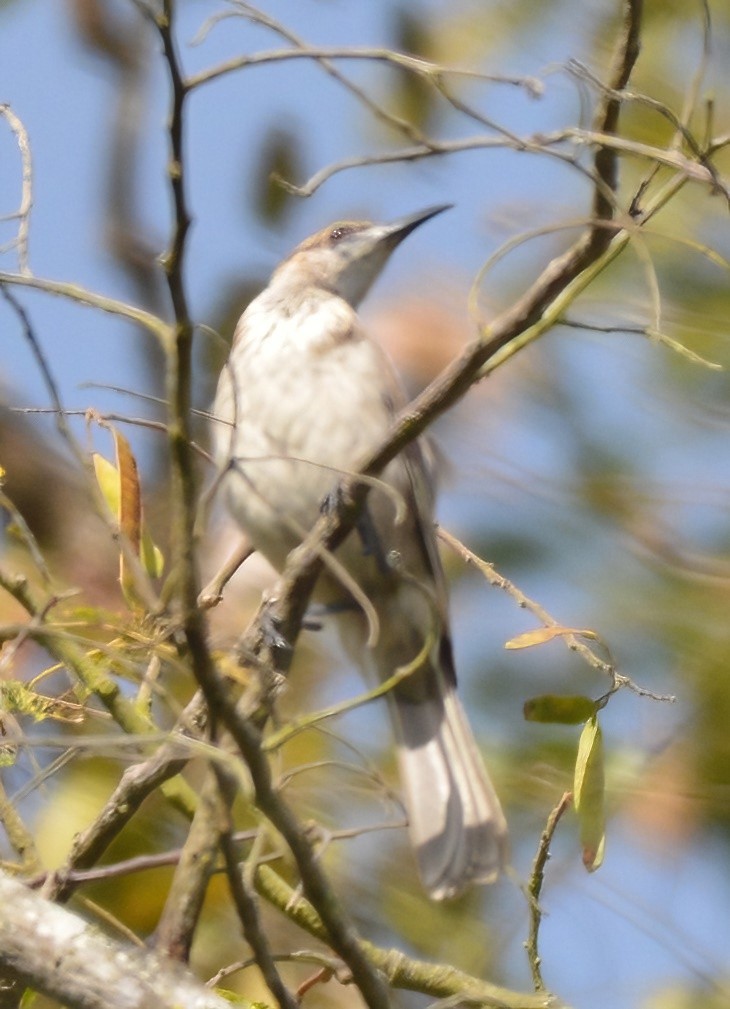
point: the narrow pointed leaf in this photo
(589, 794)
(107, 476)
(153, 560)
(542, 634)
(130, 495)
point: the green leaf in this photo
(589, 794)
(561, 709)
(280, 159)
(151, 556)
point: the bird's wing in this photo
(415, 471)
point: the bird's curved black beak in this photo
(402, 227)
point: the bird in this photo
(305, 396)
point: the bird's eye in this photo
(341, 231)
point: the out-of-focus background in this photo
(593, 469)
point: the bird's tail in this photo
(456, 824)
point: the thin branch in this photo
(129, 866)
(524, 602)
(41, 362)
(136, 784)
(401, 125)
(185, 896)
(20, 838)
(532, 144)
(438, 981)
(534, 889)
(402, 155)
(212, 593)
(606, 119)
(307, 721)
(89, 672)
(22, 215)
(702, 171)
(74, 292)
(179, 357)
(415, 64)
(142, 583)
(341, 933)
(515, 242)
(28, 540)
(246, 903)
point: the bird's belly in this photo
(294, 438)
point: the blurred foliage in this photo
(411, 96)
(679, 997)
(279, 158)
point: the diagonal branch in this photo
(245, 899)
(136, 784)
(59, 954)
(184, 900)
(74, 292)
(438, 981)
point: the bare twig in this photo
(18, 834)
(401, 125)
(524, 602)
(22, 214)
(40, 359)
(74, 292)
(534, 889)
(438, 981)
(212, 593)
(341, 933)
(142, 583)
(89, 672)
(246, 902)
(137, 782)
(28, 539)
(415, 64)
(184, 900)
(130, 866)
(541, 144)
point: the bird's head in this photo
(346, 257)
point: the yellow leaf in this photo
(589, 794)
(107, 477)
(680, 348)
(543, 634)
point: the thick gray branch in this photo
(62, 956)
